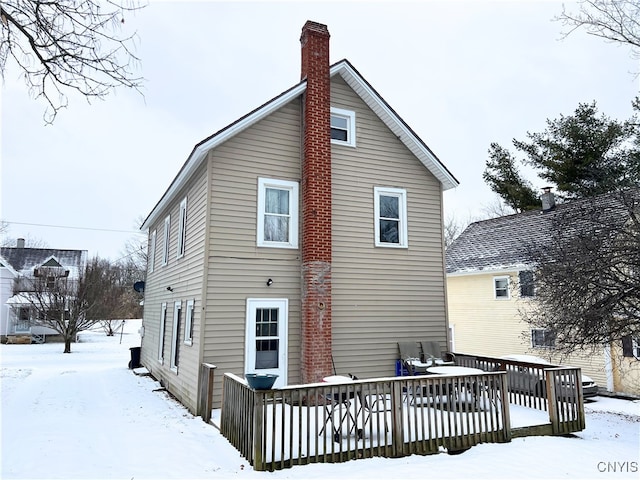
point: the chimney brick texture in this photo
(316, 205)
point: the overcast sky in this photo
(461, 74)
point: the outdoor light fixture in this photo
(170, 289)
(269, 282)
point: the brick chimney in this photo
(316, 205)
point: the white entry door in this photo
(266, 347)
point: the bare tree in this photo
(68, 45)
(60, 301)
(614, 20)
(588, 272)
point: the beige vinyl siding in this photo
(382, 295)
(184, 275)
(484, 325)
(238, 268)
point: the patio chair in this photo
(340, 403)
(431, 351)
(410, 356)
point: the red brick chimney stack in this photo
(316, 205)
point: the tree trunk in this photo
(67, 345)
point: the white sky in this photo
(461, 74)
(84, 415)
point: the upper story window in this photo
(182, 227)
(152, 250)
(188, 326)
(542, 338)
(501, 287)
(631, 346)
(165, 246)
(343, 127)
(390, 217)
(277, 213)
(526, 283)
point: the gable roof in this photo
(362, 88)
(501, 244)
(24, 259)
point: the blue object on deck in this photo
(401, 370)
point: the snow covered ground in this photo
(85, 415)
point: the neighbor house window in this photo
(175, 341)
(631, 346)
(182, 227)
(188, 324)
(152, 250)
(542, 338)
(163, 323)
(343, 127)
(165, 247)
(277, 213)
(501, 287)
(526, 283)
(390, 209)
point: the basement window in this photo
(343, 127)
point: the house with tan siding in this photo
(490, 282)
(303, 239)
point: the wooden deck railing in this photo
(388, 417)
(550, 388)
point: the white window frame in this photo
(293, 188)
(175, 335)
(508, 287)
(182, 228)
(350, 117)
(167, 236)
(152, 250)
(188, 323)
(401, 194)
(163, 324)
(544, 334)
(635, 347)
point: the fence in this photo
(387, 417)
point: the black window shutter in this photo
(627, 346)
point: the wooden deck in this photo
(391, 417)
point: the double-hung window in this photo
(390, 217)
(343, 127)
(175, 336)
(541, 338)
(501, 288)
(182, 227)
(152, 250)
(165, 246)
(526, 283)
(188, 324)
(277, 213)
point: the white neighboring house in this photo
(16, 313)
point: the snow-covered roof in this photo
(502, 244)
(366, 92)
(25, 260)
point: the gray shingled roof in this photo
(26, 258)
(501, 243)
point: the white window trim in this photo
(163, 323)
(167, 236)
(152, 250)
(263, 184)
(182, 228)
(403, 237)
(495, 290)
(188, 323)
(175, 342)
(351, 126)
(635, 347)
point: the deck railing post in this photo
(552, 400)
(258, 430)
(397, 439)
(504, 405)
(206, 388)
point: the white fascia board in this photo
(395, 124)
(490, 271)
(199, 153)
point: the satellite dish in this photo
(139, 287)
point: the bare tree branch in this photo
(68, 45)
